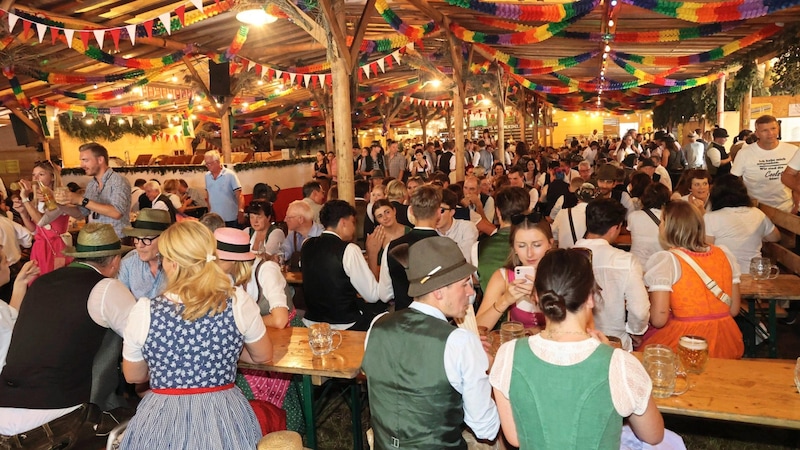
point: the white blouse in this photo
(628, 380)
(245, 313)
(663, 270)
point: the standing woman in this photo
(419, 166)
(169, 340)
(47, 244)
(680, 302)
(321, 174)
(530, 239)
(540, 382)
(266, 238)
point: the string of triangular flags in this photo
(116, 33)
(440, 103)
(269, 73)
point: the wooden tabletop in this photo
(293, 277)
(292, 354)
(751, 391)
(785, 287)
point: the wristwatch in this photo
(84, 202)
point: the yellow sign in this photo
(759, 109)
(9, 166)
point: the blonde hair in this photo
(200, 283)
(396, 191)
(683, 227)
(171, 186)
(241, 272)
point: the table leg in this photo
(355, 409)
(750, 338)
(773, 330)
(308, 410)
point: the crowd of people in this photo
(528, 238)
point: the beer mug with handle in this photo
(763, 269)
(320, 338)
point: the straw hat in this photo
(281, 440)
(96, 240)
(149, 222)
(233, 244)
(434, 263)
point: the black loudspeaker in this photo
(24, 135)
(219, 78)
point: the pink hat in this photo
(233, 244)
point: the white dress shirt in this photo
(621, 279)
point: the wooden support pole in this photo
(342, 121)
(338, 34)
(720, 99)
(225, 135)
(745, 109)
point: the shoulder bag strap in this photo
(710, 284)
(572, 226)
(652, 216)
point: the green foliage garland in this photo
(164, 170)
(786, 72)
(100, 130)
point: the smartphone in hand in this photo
(521, 271)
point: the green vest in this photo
(412, 404)
(492, 254)
(563, 407)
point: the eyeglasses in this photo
(533, 217)
(144, 240)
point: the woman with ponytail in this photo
(566, 387)
(187, 342)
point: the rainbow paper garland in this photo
(19, 94)
(234, 48)
(529, 13)
(99, 96)
(672, 35)
(117, 110)
(644, 76)
(711, 55)
(415, 33)
(532, 36)
(714, 12)
(132, 63)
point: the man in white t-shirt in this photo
(762, 164)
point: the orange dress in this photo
(696, 311)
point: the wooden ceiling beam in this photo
(307, 24)
(361, 29)
(339, 36)
(189, 65)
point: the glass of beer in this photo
(693, 353)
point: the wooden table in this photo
(784, 287)
(752, 391)
(295, 278)
(292, 354)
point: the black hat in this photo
(720, 133)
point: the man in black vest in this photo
(426, 209)
(717, 159)
(446, 162)
(159, 200)
(421, 400)
(46, 385)
(335, 272)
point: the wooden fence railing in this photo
(782, 252)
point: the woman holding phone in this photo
(510, 287)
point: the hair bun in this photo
(553, 305)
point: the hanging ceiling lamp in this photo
(252, 12)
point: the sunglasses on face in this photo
(533, 217)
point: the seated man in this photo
(625, 308)
(300, 223)
(420, 400)
(160, 201)
(335, 273)
(426, 209)
(47, 383)
(140, 270)
(462, 232)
